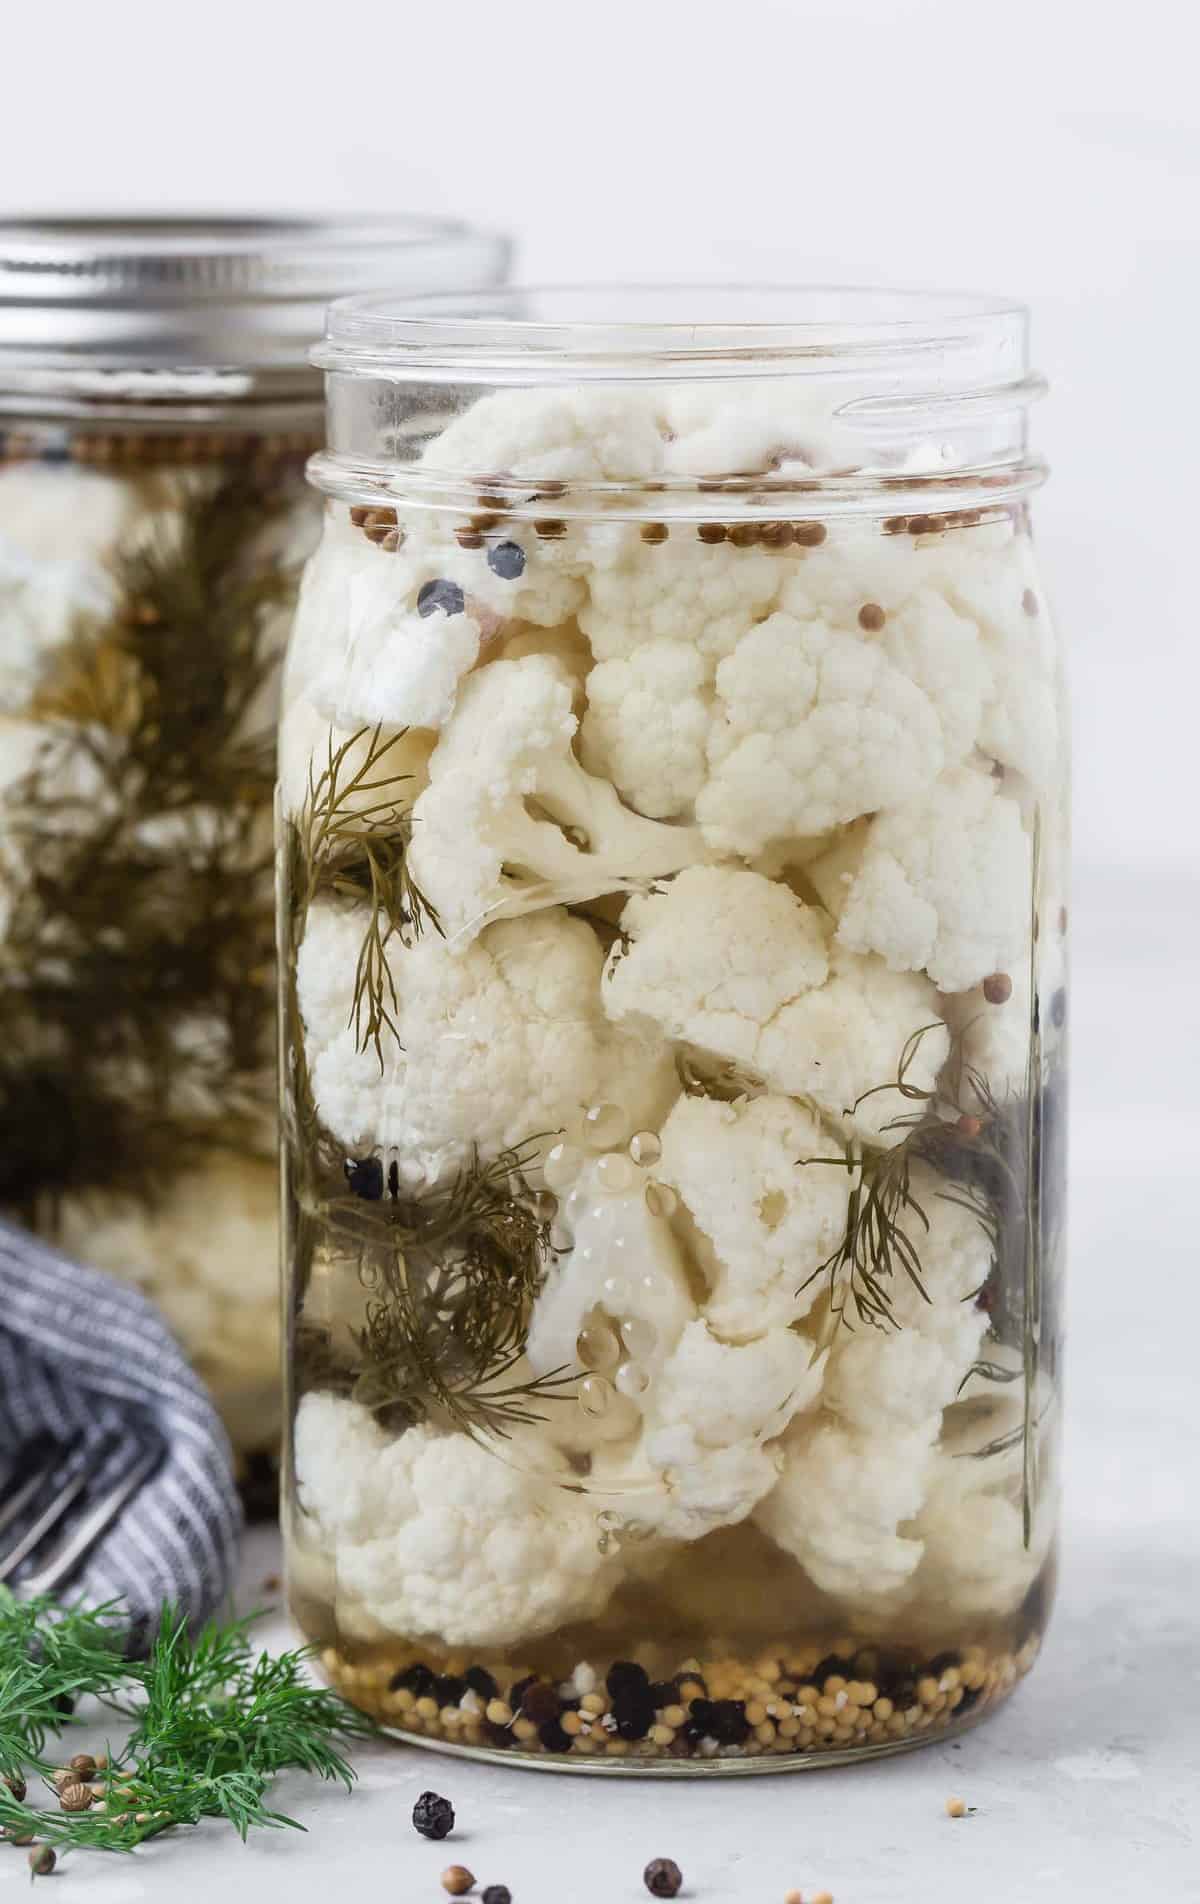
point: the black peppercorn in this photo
(480, 1681)
(553, 1737)
(442, 594)
(365, 1177)
(664, 1692)
(416, 1679)
(448, 1689)
(662, 1877)
(507, 560)
(832, 1663)
(433, 1816)
(497, 1894)
(516, 1692)
(625, 1673)
(730, 1725)
(701, 1711)
(942, 1662)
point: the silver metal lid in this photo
(187, 295)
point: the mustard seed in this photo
(712, 532)
(809, 535)
(1029, 602)
(955, 1808)
(655, 532)
(871, 617)
(998, 988)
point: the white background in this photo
(1044, 148)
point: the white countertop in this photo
(1087, 1785)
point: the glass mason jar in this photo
(156, 411)
(672, 853)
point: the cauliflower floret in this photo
(361, 650)
(207, 1253)
(511, 822)
(574, 433)
(853, 1479)
(713, 957)
(736, 965)
(944, 884)
(705, 596)
(719, 429)
(42, 601)
(503, 1042)
(646, 727)
(998, 588)
(442, 1535)
(843, 1043)
(726, 1392)
(839, 1504)
(621, 1259)
(975, 1564)
(712, 1413)
(884, 1380)
(812, 728)
(764, 1224)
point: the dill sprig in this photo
(211, 1724)
(46, 1664)
(355, 834)
(140, 907)
(451, 1276)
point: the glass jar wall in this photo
(153, 519)
(672, 859)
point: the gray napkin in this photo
(87, 1364)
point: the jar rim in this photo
(577, 331)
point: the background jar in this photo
(672, 846)
(156, 411)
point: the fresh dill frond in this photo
(355, 834)
(212, 1724)
(450, 1277)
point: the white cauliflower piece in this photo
(727, 1392)
(706, 596)
(42, 601)
(945, 884)
(975, 1564)
(736, 965)
(764, 1224)
(573, 433)
(812, 728)
(647, 724)
(713, 957)
(840, 1502)
(998, 587)
(511, 821)
(881, 1381)
(706, 1456)
(721, 429)
(506, 1040)
(442, 1536)
(854, 1480)
(207, 1254)
(621, 1259)
(361, 650)
(840, 1045)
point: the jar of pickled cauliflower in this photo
(156, 411)
(672, 833)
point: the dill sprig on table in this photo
(211, 1724)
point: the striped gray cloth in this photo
(88, 1364)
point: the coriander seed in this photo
(42, 1861)
(457, 1880)
(75, 1797)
